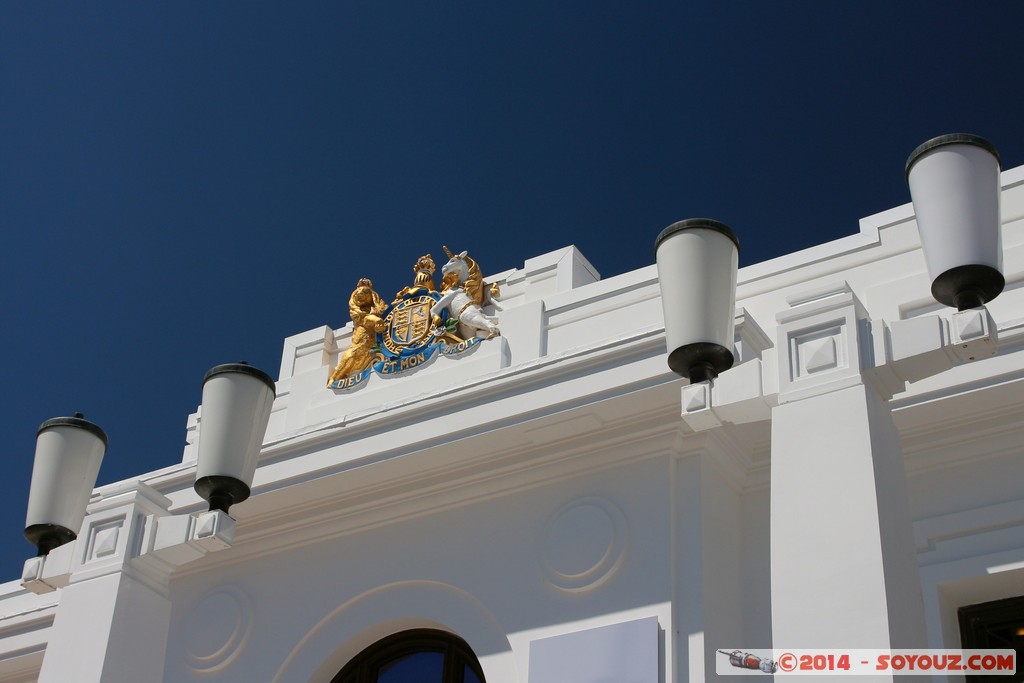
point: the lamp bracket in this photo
(925, 346)
(827, 342)
(134, 533)
(736, 396)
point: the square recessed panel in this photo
(819, 354)
(103, 539)
(817, 351)
(695, 397)
(625, 653)
(970, 324)
(206, 525)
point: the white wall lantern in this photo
(69, 451)
(237, 399)
(954, 184)
(697, 265)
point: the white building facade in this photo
(567, 508)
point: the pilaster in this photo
(114, 613)
(844, 572)
(707, 604)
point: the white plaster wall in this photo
(514, 563)
(954, 488)
(756, 570)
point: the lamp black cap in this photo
(46, 537)
(221, 492)
(78, 421)
(951, 139)
(968, 286)
(694, 224)
(700, 361)
(242, 368)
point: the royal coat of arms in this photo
(419, 322)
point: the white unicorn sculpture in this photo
(463, 294)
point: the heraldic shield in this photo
(408, 325)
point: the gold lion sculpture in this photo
(365, 309)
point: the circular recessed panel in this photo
(583, 544)
(217, 630)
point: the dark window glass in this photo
(419, 667)
(997, 625)
(418, 656)
(469, 676)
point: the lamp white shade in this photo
(69, 451)
(954, 184)
(697, 262)
(237, 399)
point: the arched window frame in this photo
(364, 667)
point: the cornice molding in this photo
(474, 478)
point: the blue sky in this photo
(187, 184)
